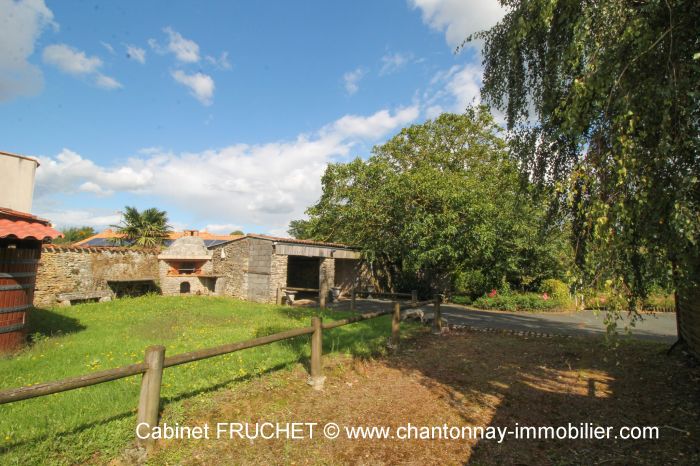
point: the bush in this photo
(463, 300)
(471, 283)
(518, 302)
(556, 289)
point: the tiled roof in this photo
(299, 241)
(102, 238)
(21, 225)
(74, 248)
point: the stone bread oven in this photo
(186, 267)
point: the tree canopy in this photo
(74, 234)
(145, 229)
(601, 103)
(438, 199)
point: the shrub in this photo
(463, 300)
(518, 302)
(556, 289)
(471, 283)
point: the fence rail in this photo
(155, 362)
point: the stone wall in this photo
(326, 277)
(170, 284)
(232, 264)
(278, 275)
(75, 269)
(259, 262)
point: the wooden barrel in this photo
(18, 266)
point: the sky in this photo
(224, 114)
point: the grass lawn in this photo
(466, 379)
(93, 424)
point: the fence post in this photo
(396, 326)
(437, 316)
(414, 298)
(149, 401)
(352, 299)
(278, 301)
(316, 379)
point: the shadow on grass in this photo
(49, 323)
(164, 401)
(361, 340)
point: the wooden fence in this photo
(155, 362)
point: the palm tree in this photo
(147, 229)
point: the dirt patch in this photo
(466, 379)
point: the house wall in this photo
(75, 269)
(278, 275)
(259, 267)
(347, 274)
(233, 267)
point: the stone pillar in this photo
(278, 275)
(326, 279)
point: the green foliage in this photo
(463, 300)
(602, 104)
(438, 198)
(556, 289)
(74, 234)
(517, 302)
(300, 229)
(472, 283)
(236, 232)
(147, 229)
(95, 424)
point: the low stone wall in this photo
(77, 269)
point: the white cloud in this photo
(394, 62)
(70, 60)
(459, 18)
(374, 126)
(201, 85)
(136, 53)
(351, 80)
(107, 82)
(221, 62)
(453, 90)
(77, 63)
(21, 24)
(262, 184)
(97, 219)
(108, 47)
(185, 50)
(68, 172)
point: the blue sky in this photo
(223, 113)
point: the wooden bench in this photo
(66, 299)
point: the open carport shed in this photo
(259, 267)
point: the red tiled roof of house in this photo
(21, 225)
(173, 235)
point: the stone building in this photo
(258, 268)
(186, 267)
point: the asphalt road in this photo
(659, 326)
